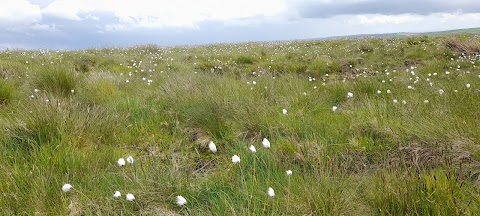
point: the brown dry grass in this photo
(471, 46)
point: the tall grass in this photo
(56, 80)
(7, 92)
(162, 105)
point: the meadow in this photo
(369, 126)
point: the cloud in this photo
(375, 19)
(157, 14)
(41, 3)
(44, 27)
(435, 19)
(18, 13)
(325, 9)
(378, 23)
(63, 9)
(76, 24)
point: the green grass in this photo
(7, 92)
(55, 80)
(163, 105)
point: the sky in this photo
(80, 24)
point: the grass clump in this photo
(56, 80)
(244, 59)
(41, 123)
(7, 92)
(100, 88)
(428, 193)
(465, 46)
(84, 65)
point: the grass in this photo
(163, 105)
(7, 92)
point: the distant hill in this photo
(455, 31)
(408, 34)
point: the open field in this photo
(407, 141)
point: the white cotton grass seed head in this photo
(121, 162)
(379, 92)
(181, 201)
(271, 192)
(117, 194)
(130, 197)
(388, 91)
(67, 187)
(395, 101)
(235, 159)
(284, 111)
(212, 147)
(441, 91)
(266, 143)
(252, 149)
(289, 172)
(468, 85)
(334, 108)
(349, 95)
(130, 159)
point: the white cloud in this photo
(375, 19)
(433, 20)
(459, 17)
(172, 13)
(87, 23)
(14, 14)
(63, 9)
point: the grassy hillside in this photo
(405, 143)
(456, 31)
(411, 34)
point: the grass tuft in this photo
(56, 80)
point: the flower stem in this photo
(243, 178)
(288, 196)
